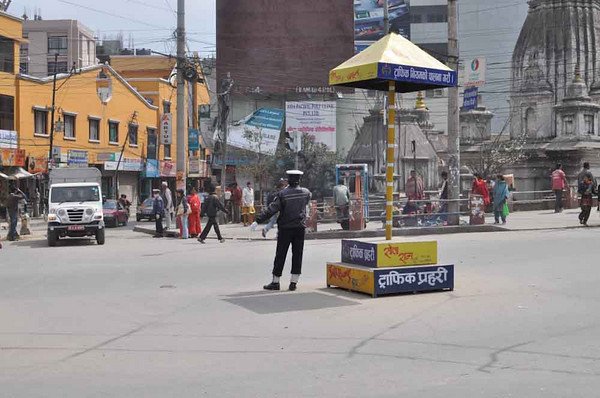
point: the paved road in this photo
(172, 318)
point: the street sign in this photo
(470, 98)
(166, 129)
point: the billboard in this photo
(259, 132)
(474, 72)
(369, 23)
(279, 47)
(317, 119)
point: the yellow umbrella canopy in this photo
(393, 58)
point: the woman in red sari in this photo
(480, 188)
(194, 218)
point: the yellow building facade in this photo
(105, 116)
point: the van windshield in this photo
(74, 194)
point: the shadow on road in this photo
(287, 302)
(41, 243)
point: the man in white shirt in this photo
(168, 203)
(248, 210)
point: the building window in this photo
(167, 151)
(113, 132)
(94, 130)
(166, 107)
(588, 121)
(61, 67)
(133, 134)
(7, 55)
(69, 126)
(152, 145)
(7, 112)
(24, 58)
(57, 45)
(40, 118)
(568, 127)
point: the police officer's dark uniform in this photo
(291, 204)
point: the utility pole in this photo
(224, 106)
(50, 159)
(181, 109)
(453, 119)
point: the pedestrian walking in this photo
(248, 210)
(236, 202)
(479, 187)
(12, 208)
(270, 199)
(194, 217)
(169, 206)
(212, 205)
(500, 195)
(291, 203)
(559, 184)
(341, 201)
(182, 212)
(158, 209)
(586, 189)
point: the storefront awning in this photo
(15, 173)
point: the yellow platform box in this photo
(389, 254)
(382, 281)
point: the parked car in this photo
(144, 211)
(114, 213)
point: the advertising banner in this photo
(369, 25)
(193, 140)
(474, 72)
(317, 119)
(8, 139)
(167, 169)
(166, 129)
(259, 132)
(125, 165)
(77, 158)
(152, 169)
(12, 157)
(37, 165)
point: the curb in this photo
(361, 234)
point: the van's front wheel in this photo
(100, 236)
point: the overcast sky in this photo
(151, 22)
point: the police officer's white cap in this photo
(294, 173)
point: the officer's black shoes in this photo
(292, 286)
(272, 286)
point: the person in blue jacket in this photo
(158, 209)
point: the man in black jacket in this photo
(291, 204)
(212, 205)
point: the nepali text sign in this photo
(259, 132)
(317, 119)
(389, 254)
(166, 129)
(414, 279)
(8, 139)
(77, 158)
(37, 164)
(418, 75)
(470, 98)
(12, 157)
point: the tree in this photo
(497, 153)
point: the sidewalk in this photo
(520, 221)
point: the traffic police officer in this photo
(291, 203)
